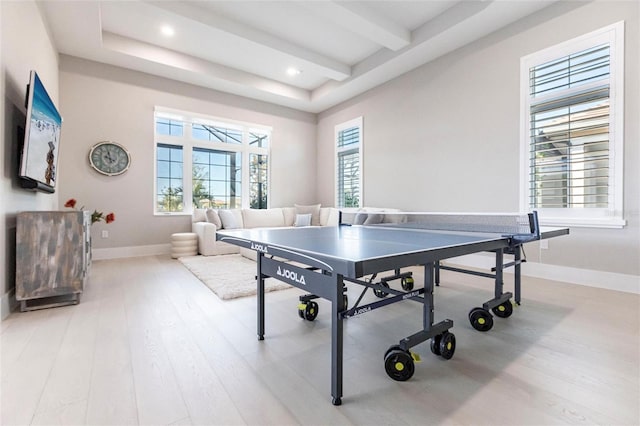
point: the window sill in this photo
(171, 214)
(610, 223)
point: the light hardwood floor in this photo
(150, 344)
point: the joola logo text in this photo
(290, 275)
(410, 295)
(259, 247)
(362, 310)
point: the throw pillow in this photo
(213, 217)
(360, 218)
(314, 210)
(199, 216)
(228, 219)
(373, 219)
(303, 220)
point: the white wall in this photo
(445, 137)
(101, 102)
(26, 45)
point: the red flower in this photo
(96, 216)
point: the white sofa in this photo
(205, 223)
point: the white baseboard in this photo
(586, 277)
(135, 251)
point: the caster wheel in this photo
(407, 283)
(447, 345)
(480, 319)
(503, 310)
(392, 348)
(380, 293)
(399, 364)
(301, 308)
(345, 300)
(310, 311)
(435, 344)
(336, 401)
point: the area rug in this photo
(229, 276)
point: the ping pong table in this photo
(319, 260)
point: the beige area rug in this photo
(229, 276)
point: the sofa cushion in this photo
(329, 216)
(231, 219)
(374, 219)
(303, 220)
(313, 209)
(199, 215)
(289, 214)
(213, 217)
(360, 218)
(262, 218)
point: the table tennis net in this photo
(496, 223)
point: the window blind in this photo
(569, 131)
(349, 137)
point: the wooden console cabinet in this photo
(53, 256)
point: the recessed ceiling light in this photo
(293, 71)
(167, 30)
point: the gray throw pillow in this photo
(228, 219)
(374, 218)
(360, 218)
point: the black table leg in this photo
(337, 306)
(517, 271)
(260, 290)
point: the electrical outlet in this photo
(544, 244)
(105, 234)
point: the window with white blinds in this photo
(349, 164)
(572, 110)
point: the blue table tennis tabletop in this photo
(355, 250)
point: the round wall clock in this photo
(109, 158)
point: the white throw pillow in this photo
(228, 219)
(199, 215)
(303, 220)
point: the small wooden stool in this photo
(184, 244)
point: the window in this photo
(217, 178)
(203, 162)
(572, 130)
(349, 142)
(166, 126)
(169, 178)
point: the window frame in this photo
(188, 143)
(612, 216)
(356, 122)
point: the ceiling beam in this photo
(206, 70)
(360, 19)
(307, 59)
